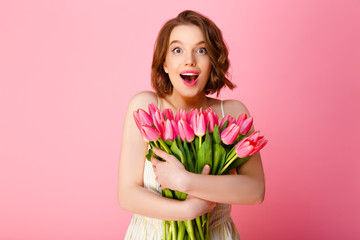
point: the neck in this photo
(180, 102)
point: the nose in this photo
(190, 59)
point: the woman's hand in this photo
(198, 206)
(172, 174)
(169, 173)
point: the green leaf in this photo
(175, 151)
(196, 144)
(204, 155)
(219, 158)
(180, 155)
(189, 157)
(149, 154)
(238, 162)
(216, 134)
(168, 142)
(224, 126)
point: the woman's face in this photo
(187, 62)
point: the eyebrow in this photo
(178, 41)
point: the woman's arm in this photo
(131, 194)
(245, 187)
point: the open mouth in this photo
(189, 77)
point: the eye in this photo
(202, 50)
(177, 50)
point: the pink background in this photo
(69, 68)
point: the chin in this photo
(190, 93)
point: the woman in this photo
(190, 61)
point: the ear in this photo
(165, 68)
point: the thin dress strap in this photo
(222, 109)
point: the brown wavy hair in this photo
(215, 46)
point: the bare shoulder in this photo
(142, 100)
(235, 107)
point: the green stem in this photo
(169, 236)
(156, 144)
(164, 230)
(181, 230)
(193, 148)
(174, 229)
(228, 164)
(165, 146)
(230, 154)
(190, 229)
(199, 226)
(207, 236)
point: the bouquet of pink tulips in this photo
(196, 139)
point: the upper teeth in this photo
(189, 74)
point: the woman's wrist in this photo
(188, 210)
(186, 182)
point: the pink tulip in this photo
(181, 114)
(158, 120)
(168, 131)
(229, 135)
(185, 131)
(241, 119)
(175, 128)
(191, 116)
(246, 125)
(168, 114)
(211, 119)
(199, 124)
(152, 109)
(244, 151)
(136, 116)
(149, 133)
(250, 145)
(227, 117)
(142, 118)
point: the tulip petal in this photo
(137, 119)
(199, 124)
(241, 119)
(152, 109)
(185, 131)
(168, 133)
(246, 125)
(145, 118)
(149, 133)
(254, 136)
(229, 135)
(168, 114)
(175, 127)
(244, 151)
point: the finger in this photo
(212, 206)
(154, 161)
(164, 155)
(233, 172)
(206, 170)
